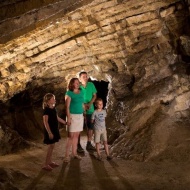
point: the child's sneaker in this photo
(109, 157)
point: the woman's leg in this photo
(74, 143)
(68, 144)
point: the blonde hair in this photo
(46, 98)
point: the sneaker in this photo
(109, 157)
(90, 147)
(80, 149)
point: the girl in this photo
(51, 132)
(74, 110)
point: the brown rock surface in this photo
(140, 47)
(90, 173)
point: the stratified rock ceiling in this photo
(49, 39)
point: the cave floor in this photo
(91, 174)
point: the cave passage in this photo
(102, 90)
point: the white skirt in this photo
(77, 121)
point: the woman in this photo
(74, 100)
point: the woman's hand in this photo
(69, 122)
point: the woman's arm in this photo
(67, 104)
(45, 121)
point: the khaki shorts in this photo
(77, 121)
(100, 135)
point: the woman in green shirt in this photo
(74, 99)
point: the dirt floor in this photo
(91, 174)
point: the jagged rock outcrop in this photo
(140, 47)
(11, 141)
(8, 177)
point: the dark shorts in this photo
(88, 123)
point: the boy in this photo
(98, 118)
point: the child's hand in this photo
(50, 135)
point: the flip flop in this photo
(47, 168)
(77, 157)
(66, 159)
(53, 165)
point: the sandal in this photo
(53, 164)
(77, 157)
(47, 168)
(66, 159)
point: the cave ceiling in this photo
(50, 41)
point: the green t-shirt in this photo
(77, 100)
(89, 91)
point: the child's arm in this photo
(45, 121)
(61, 120)
(92, 118)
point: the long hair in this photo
(46, 98)
(71, 84)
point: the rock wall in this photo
(101, 37)
(21, 16)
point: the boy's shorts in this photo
(88, 124)
(100, 135)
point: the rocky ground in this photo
(23, 171)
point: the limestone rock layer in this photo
(102, 36)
